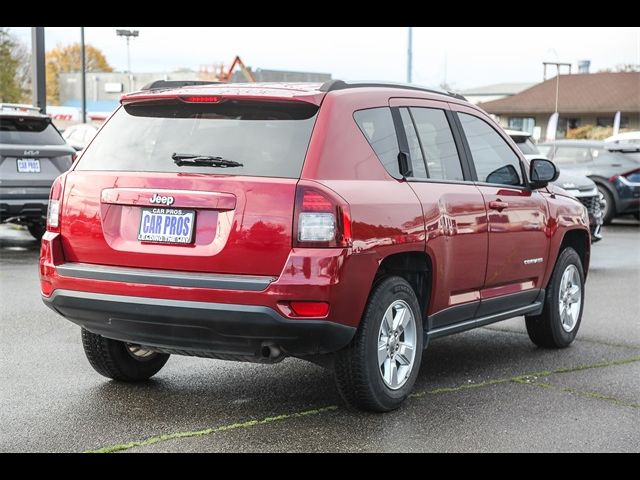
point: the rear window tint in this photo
(378, 128)
(270, 139)
(28, 131)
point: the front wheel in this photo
(377, 371)
(608, 205)
(120, 360)
(557, 325)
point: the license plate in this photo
(166, 225)
(28, 165)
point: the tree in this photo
(68, 59)
(10, 91)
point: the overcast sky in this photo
(473, 56)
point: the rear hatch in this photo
(32, 155)
(159, 186)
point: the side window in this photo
(494, 160)
(417, 162)
(571, 155)
(437, 144)
(378, 128)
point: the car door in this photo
(454, 212)
(517, 216)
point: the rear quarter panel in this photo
(386, 215)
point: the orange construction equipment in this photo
(245, 71)
(217, 72)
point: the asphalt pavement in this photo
(486, 390)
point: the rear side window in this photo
(28, 131)
(415, 150)
(270, 139)
(438, 146)
(378, 128)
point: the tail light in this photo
(321, 219)
(55, 198)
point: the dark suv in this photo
(345, 224)
(32, 155)
(604, 163)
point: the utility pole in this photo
(38, 72)
(557, 65)
(410, 55)
(83, 76)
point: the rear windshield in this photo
(28, 131)
(270, 139)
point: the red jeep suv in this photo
(345, 223)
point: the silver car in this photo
(579, 186)
(32, 155)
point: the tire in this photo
(358, 371)
(114, 359)
(37, 230)
(609, 212)
(637, 215)
(547, 330)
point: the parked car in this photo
(345, 224)
(579, 186)
(600, 161)
(625, 137)
(79, 135)
(627, 187)
(32, 155)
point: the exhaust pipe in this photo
(271, 352)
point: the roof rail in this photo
(332, 85)
(160, 84)
(17, 107)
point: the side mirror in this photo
(542, 172)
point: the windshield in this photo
(269, 139)
(28, 131)
(525, 145)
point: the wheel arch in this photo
(414, 266)
(578, 239)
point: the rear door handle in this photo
(498, 205)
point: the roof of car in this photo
(21, 110)
(516, 133)
(577, 143)
(601, 144)
(311, 92)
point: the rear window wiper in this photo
(193, 160)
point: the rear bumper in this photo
(26, 209)
(193, 326)
(24, 202)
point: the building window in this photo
(608, 121)
(565, 124)
(523, 124)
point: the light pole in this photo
(410, 55)
(127, 34)
(83, 76)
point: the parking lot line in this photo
(525, 379)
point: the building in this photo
(583, 99)
(105, 88)
(496, 91)
(264, 75)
